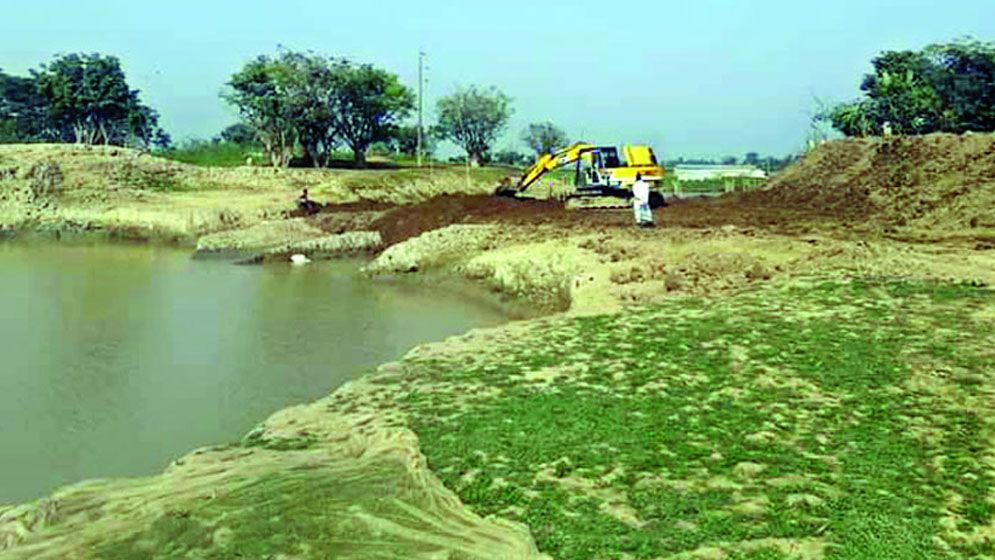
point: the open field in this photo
(805, 371)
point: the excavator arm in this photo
(547, 163)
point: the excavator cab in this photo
(609, 157)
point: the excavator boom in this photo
(549, 162)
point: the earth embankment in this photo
(939, 181)
(126, 193)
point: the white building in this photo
(692, 172)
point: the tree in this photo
(89, 99)
(473, 119)
(903, 94)
(315, 101)
(23, 111)
(143, 125)
(511, 157)
(405, 141)
(260, 92)
(238, 133)
(855, 118)
(367, 104)
(311, 88)
(544, 138)
(944, 87)
(964, 78)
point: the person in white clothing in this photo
(641, 202)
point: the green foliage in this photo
(23, 111)
(544, 138)
(310, 96)
(238, 133)
(966, 82)
(942, 88)
(367, 104)
(261, 91)
(856, 118)
(315, 101)
(405, 141)
(90, 102)
(473, 118)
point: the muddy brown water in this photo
(116, 359)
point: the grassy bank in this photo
(824, 419)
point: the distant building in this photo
(694, 172)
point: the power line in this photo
(421, 104)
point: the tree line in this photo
(291, 103)
(317, 103)
(768, 163)
(81, 98)
(947, 87)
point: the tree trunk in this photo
(274, 155)
(311, 154)
(359, 157)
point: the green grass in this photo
(668, 410)
(209, 154)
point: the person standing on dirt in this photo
(641, 202)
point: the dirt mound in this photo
(410, 221)
(939, 181)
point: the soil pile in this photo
(410, 221)
(939, 181)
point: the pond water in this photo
(116, 359)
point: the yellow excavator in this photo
(599, 171)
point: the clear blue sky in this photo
(710, 77)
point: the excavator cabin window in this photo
(609, 157)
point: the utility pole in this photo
(421, 103)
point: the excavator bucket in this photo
(506, 188)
